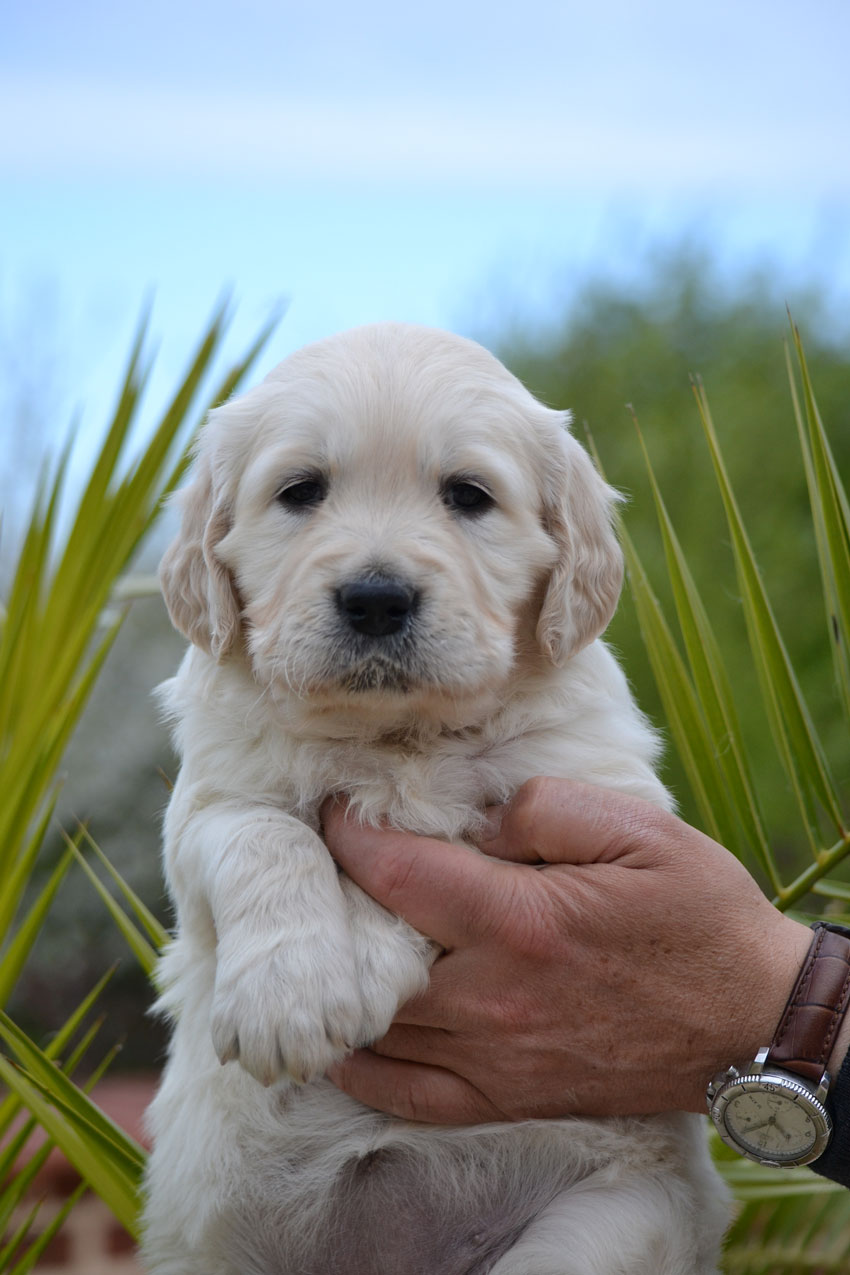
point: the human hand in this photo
(616, 978)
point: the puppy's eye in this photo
(467, 498)
(303, 494)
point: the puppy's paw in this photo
(389, 975)
(391, 961)
(290, 1011)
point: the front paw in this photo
(290, 1011)
(390, 958)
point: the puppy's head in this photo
(391, 515)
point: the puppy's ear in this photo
(584, 585)
(198, 588)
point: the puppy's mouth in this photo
(376, 638)
(394, 663)
(376, 677)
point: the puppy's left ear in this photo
(584, 585)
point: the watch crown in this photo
(717, 1082)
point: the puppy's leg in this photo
(391, 960)
(286, 999)
(625, 1227)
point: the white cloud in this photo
(69, 127)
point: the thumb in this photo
(562, 821)
(449, 892)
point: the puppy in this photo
(393, 569)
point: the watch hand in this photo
(766, 1124)
(752, 1128)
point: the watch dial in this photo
(772, 1126)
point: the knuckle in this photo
(455, 1102)
(648, 827)
(524, 814)
(536, 788)
(523, 925)
(529, 796)
(391, 875)
(416, 1103)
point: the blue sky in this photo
(457, 164)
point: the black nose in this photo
(376, 606)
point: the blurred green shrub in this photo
(641, 348)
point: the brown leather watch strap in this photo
(816, 1006)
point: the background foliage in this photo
(613, 349)
(618, 353)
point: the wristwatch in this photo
(773, 1110)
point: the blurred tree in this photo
(616, 348)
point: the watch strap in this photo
(811, 1019)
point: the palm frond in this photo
(831, 520)
(790, 1221)
(799, 747)
(52, 649)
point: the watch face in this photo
(770, 1125)
(772, 1120)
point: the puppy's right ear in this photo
(198, 588)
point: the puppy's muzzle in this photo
(377, 606)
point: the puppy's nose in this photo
(376, 605)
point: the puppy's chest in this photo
(438, 793)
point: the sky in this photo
(461, 164)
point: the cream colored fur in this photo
(280, 965)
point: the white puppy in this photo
(393, 567)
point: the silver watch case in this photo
(773, 1081)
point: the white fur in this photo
(280, 965)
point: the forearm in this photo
(259, 890)
(246, 862)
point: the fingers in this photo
(448, 892)
(419, 1044)
(561, 821)
(445, 1002)
(412, 1091)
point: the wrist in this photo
(775, 969)
(773, 1110)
